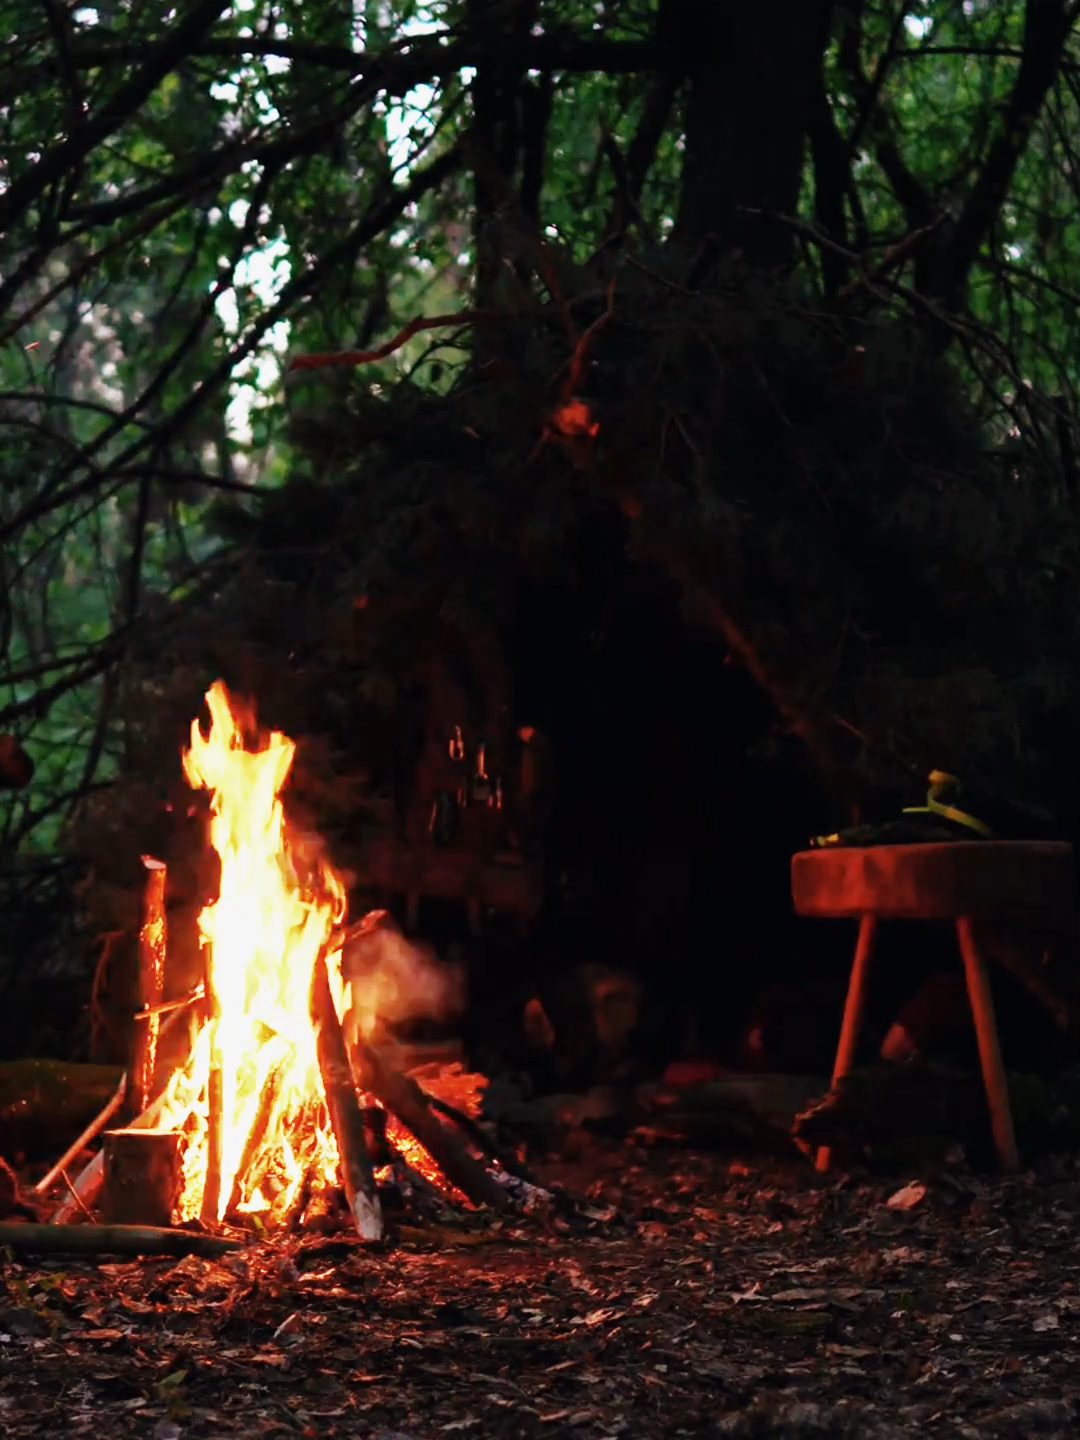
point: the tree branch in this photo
(60, 158)
(912, 195)
(1047, 25)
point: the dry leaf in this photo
(908, 1196)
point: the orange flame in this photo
(276, 911)
(280, 906)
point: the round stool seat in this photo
(934, 881)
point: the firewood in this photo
(405, 1099)
(346, 1117)
(152, 945)
(482, 1140)
(93, 1129)
(215, 1104)
(87, 1187)
(379, 1147)
(112, 1240)
(142, 1177)
(215, 1139)
(256, 1136)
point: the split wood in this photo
(215, 1103)
(152, 945)
(256, 1136)
(346, 1117)
(112, 1240)
(403, 1097)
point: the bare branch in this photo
(115, 112)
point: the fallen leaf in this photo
(291, 1325)
(908, 1196)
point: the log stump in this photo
(142, 1177)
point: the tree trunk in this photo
(509, 124)
(753, 72)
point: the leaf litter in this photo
(688, 1297)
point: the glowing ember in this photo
(250, 1099)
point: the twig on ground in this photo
(112, 1240)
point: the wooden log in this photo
(378, 1145)
(142, 1177)
(215, 1102)
(87, 1187)
(256, 1136)
(346, 1117)
(407, 1101)
(215, 1139)
(93, 1129)
(112, 1240)
(152, 948)
(483, 1141)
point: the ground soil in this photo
(719, 1299)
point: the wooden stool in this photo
(963, 882)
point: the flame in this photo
(249, 1100)
(278, 906)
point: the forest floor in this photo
(720, 1299)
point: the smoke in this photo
(390, 980)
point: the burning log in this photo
(141, 1177)
(378, 1144)
(482, 1140)
(152, 945)
(405, 1099)
(112, 1240)
(215, 1103)
(256, 1136)
(215, 1139)
(345, 1113)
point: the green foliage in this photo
(251, 196)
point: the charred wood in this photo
(112, 1240)
(346, 1117)
(412, 1106)
(152, 948)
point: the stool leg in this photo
(982, 1010)
(854, 1010)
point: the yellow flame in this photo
(280, 905)
(276, 911)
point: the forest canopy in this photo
(190, 198)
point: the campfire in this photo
(293, 1088)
